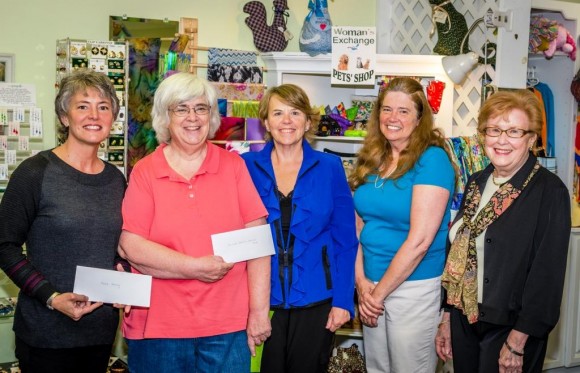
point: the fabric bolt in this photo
(245, 109)
(220, 197)
(223, 107)
(67, 218)
(231, 57)
(386, 213)
(239, 91)
(239, 147)
(411, 315)
(231, 129)
(254, 129)
(235, 74)
(227, 353)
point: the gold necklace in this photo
(494, 182)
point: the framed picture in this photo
(6, 68)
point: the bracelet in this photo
(49, 300)
(510, 349)
(442, 322)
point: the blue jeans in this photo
(225, 353)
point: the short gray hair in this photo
(178, 88)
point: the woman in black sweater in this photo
(64, 204)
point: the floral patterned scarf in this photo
(460, 275)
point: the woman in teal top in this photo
(403, 185)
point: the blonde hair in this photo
(295, 97)
(377, 151)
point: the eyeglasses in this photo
(182, 111)
(514, 133)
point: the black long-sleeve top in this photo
(66, 218)
(526, 250)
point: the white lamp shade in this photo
(457, 67)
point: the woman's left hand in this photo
(258, 330)
(510, 361)
(336, 318)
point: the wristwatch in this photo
(49, 300)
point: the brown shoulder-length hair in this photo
(503, 102)
(294, 96)
(377, 152)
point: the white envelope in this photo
(244, 244)
(108, 286)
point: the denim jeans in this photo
(225, 353)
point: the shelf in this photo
(339, 138)
(346, 332)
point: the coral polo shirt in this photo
(163, 207)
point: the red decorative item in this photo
(435, 94)
(575, 86)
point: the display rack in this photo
(110, 58)
(21, 136)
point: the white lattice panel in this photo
(407, 25)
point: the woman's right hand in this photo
(212, 268)
(443, 338)
(74, 305)
(369, 309)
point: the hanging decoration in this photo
(315, 36)
(268, 38)
(451, 28)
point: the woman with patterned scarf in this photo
(505, 268)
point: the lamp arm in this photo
(471, 28)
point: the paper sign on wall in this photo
(353, 55)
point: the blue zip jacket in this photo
(317, 262)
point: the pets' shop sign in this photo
(353, 55)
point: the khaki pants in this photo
(404, 340)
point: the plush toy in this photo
(268, 38)
(563, 42)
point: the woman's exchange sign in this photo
(353, 55)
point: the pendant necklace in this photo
(383, 179)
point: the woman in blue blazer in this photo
(312, 217)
